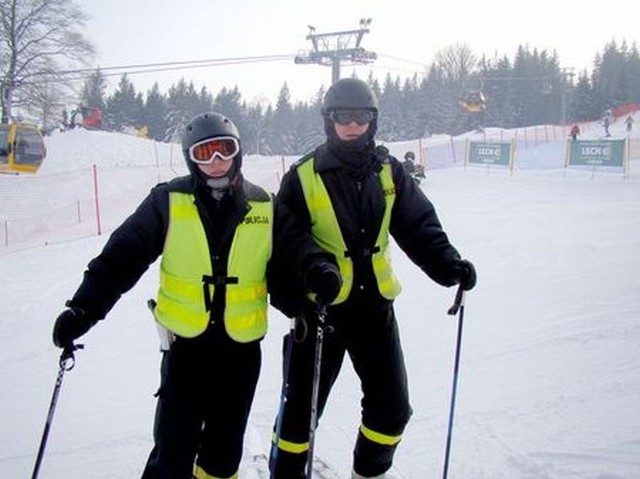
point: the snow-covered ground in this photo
(549, 383)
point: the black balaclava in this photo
(355, 154)
(351, 94)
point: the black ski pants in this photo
(368, 332)
(206, 390)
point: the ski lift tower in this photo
(337, 47)
(567, 80)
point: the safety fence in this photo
(536, 147)
(445, 151)
(60, 206)
(50, 208)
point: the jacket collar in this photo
(325, 160)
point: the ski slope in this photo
(549, 382)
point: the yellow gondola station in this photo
(22, 148)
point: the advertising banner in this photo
(596, 153)
(489, 153)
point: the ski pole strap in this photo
(299, 329)
(457, 302)
(68, 358)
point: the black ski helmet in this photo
(209, 125)
(409, 155)
(349, 93)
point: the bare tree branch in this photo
(39, 39)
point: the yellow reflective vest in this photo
(325, 230)
(186, 285)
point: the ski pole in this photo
(456, 308)
(67, 362)
(317, 365)
(283, 393)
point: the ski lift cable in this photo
(158, 67)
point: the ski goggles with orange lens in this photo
(205, 151)
(345, 117)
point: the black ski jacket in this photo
(358, 201)
(139, 241)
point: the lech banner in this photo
(489, 153)
(596, 153)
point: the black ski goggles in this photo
(205, 151)
(346, 117)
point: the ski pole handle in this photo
(321, 312)
(457, 302)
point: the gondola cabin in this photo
(22, 148)
(473, 101)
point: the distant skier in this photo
(575, 131)
(335, 211)
(608, 120)
(408, 164)
(629, 122)
(415, 171)
(212, 229)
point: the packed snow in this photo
(549, 384)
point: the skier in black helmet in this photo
(335, 211)
(415, 171)
(212, 229)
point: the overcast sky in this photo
(133, 32)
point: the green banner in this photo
(486, 153)
(597, 153)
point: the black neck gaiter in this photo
(357, 156)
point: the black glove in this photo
(70, 325)
(464, 273)
(323, 278)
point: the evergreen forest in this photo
(530, 88)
